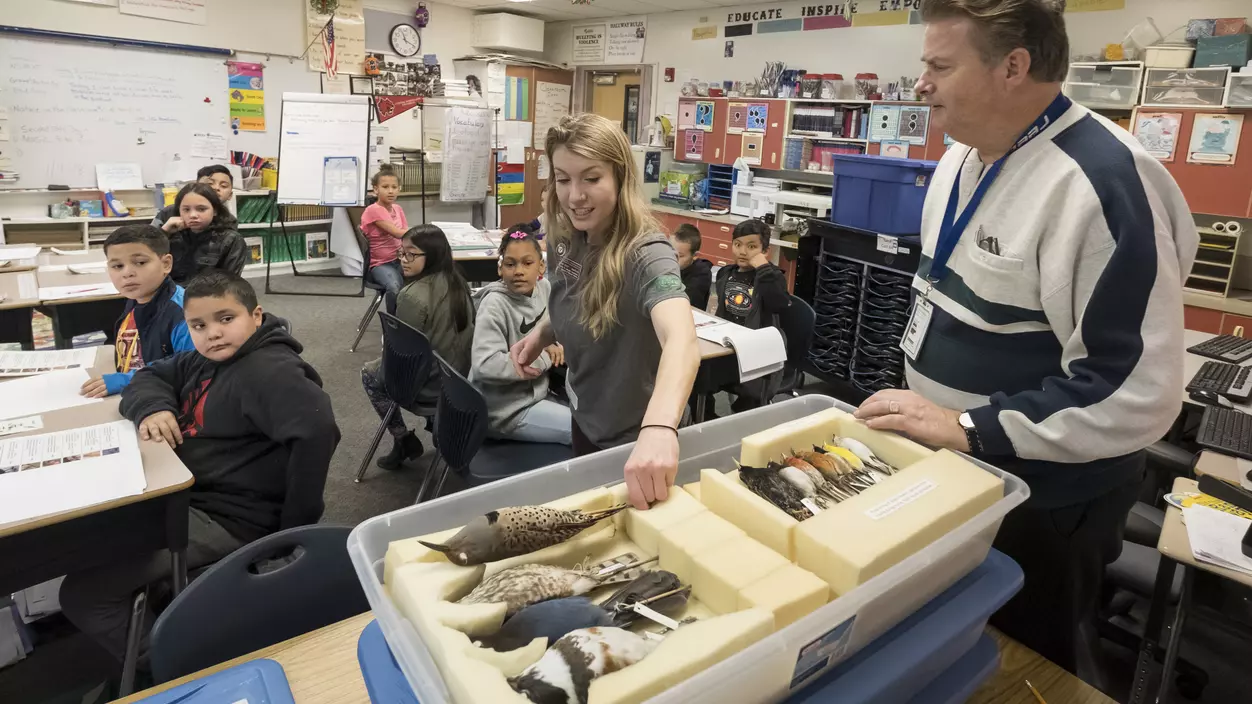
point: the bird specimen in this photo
(548, 619)
(523, 585)
(509, 532)
(565, 672)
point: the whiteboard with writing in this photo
(466, 154)
(72, 106)
(316, 126)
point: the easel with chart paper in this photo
(323, 154)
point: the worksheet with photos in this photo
(24, 363)
(70, 469)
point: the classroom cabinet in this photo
(1215, 321)
(725, 141)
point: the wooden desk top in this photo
(1175, 544)
(712, 350)
(164, 472)
(79, 256)
(20, 290)
(322, 668)
(1224, 467)
(68, 278)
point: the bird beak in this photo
(436, 546)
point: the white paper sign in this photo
(495, 77)
(543, 167)
(589, 43)
(209, 145)
(551, 104)
(467, 154)
(187, 11)
(625, 40)
(119, 177)
(515, 152)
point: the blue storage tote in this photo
(939, 654)
(256, 682)
(880, 194)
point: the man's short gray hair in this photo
(1038, 26)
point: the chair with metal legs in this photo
(406, 367)
(354, 216)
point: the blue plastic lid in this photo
(886, 161)
(256, 681)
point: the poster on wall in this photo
(737, 117)
(1158, 133)
(349, 37)
(758, 115)
(626, 37)
(686, 115)
(589, 44)
(511, 182)
(704, 115)
(551, 104)
(752, 147)
(914, 121)
(186, 11)
(884, 123)
(693, 145)
(466, 154)
(516, 98)
(1215, 139)
(894, 148)
(247, 96)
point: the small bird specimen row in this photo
(832, 472)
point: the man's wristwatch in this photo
(971, 433)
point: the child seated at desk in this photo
(697, 274)
(250, 420)
(436, 301)
(208, 239)
(216, 176)
(751, 292)
(152, 325)
(517, 408)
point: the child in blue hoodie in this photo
(152, 326)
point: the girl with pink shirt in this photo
(384, 225)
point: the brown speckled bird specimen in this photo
(521, 586)
(509, 532)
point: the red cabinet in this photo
(724, 143)
(1201, 319)
(1231, 321)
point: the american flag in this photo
(331, 62)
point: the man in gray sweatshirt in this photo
(518, 409)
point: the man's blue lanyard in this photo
(952, 227)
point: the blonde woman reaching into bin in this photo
(618, 307)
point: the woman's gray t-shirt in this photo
(610, 380)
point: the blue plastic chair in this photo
(233, 608)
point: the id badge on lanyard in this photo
(953, 226)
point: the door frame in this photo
(646, 72)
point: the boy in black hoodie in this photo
(250, 420)
(697, 274)
(752, 292)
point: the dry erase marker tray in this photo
(778, 661)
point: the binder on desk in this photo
(759, 352)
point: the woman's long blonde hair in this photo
(599, 139)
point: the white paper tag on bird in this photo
(654, 615)
(915, 333)
(811, 505)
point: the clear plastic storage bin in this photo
(1239, 92)
(763, 672)
(1105, 86)
(1189, 87)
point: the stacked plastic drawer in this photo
(878, 361)
(836, 302)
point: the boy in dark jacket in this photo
(152, 325)
(751, 293)
(697, 274)
(250, 420)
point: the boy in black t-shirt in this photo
(751, 292)
(697, 274)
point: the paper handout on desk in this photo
(25, 363)
(57, 293)
(463, 236)
(759, 352)
(1216, 537)
(33, 395)
(67, 470)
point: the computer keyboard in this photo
(1230, 380)
(1224, 348)
(1227, 431)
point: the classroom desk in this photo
(1224, 467)
(39, 549)
(76, 257)
(715, 372)
(1175, 548)
(322, 668)
(478, 265)
(20, 293)
(75, 316)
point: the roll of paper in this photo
(1219, 227)
(1233, 228)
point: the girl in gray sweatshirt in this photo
(517, 408)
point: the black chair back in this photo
(460, 419)
(354, 216)
(407, 361)
(797, 323)
(232, 609)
